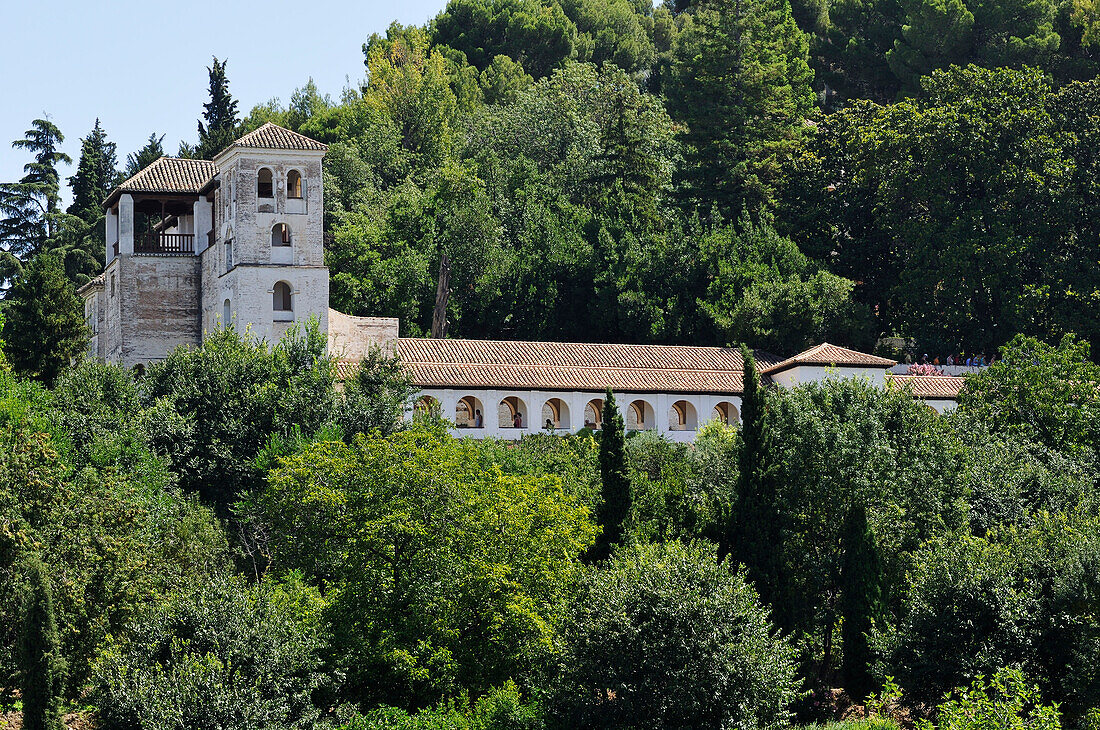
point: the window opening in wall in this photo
(227, 313)
(264, 186)
(294, 184)
(280, 235)
(281, 297)
(112, 285)
(229, 254)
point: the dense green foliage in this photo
(233, 540)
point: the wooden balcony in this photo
(165, 244)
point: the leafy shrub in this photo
(224, 655)
(1006, 702)
(665, 637)
(500, 709)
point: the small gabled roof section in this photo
(271, 136)
(167, 175)
(826, 355)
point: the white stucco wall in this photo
(802, 374)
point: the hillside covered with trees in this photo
(229, 539)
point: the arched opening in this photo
(640, 416)
(265, 187)
(469, 413)
(512, 413)
(280, 234)
(228, 254)
(682, 417)
(593, 414)
(227, 313)
(295, 187)
(555, 415)
(281, 299)
(725, 412)
(426, 405)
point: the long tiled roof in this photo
(929, 386)
(830, 356)
(570, 366)
(272, 136)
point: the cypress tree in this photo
(860, 600)
(40, 656)
(615, 508)
(44, 321)
(96, 175)
(220, 115)
(753, 535)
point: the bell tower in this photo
(263, 267)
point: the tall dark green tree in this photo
(40, 662)
(31, 207)
(753, 532)
(740, 82)
(860, 600)
(615, 507)
(147, 155)
(220, 114)
(96, 175)
(44, 320)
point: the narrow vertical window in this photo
(281, 297)
(264, 185)
(294, 187)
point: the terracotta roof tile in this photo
(928, 386)
(831, 356)
(170, 175)
(272, 136)
(569, 366)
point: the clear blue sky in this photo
(141, 66)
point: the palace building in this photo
(194, 245)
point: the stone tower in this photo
(264, 267)
(194, 245)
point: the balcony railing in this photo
(165, 244)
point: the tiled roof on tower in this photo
(273, 137)
(167, 175)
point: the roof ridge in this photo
(577, 344)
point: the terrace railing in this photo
(165, 244)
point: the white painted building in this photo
(194, 245)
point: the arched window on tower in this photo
(265, 187)
(281, 300)
(295, 186)
(280, 235)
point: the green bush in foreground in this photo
(1005, 702)
(665, 637)
(225, 655)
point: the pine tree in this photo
(220, 114)
(44, 326)
(32, 206)
(147, 155)
(740, 82)
(753, 533)
(615, 507)
(96, 175)
(40, 656)
(860, 600)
